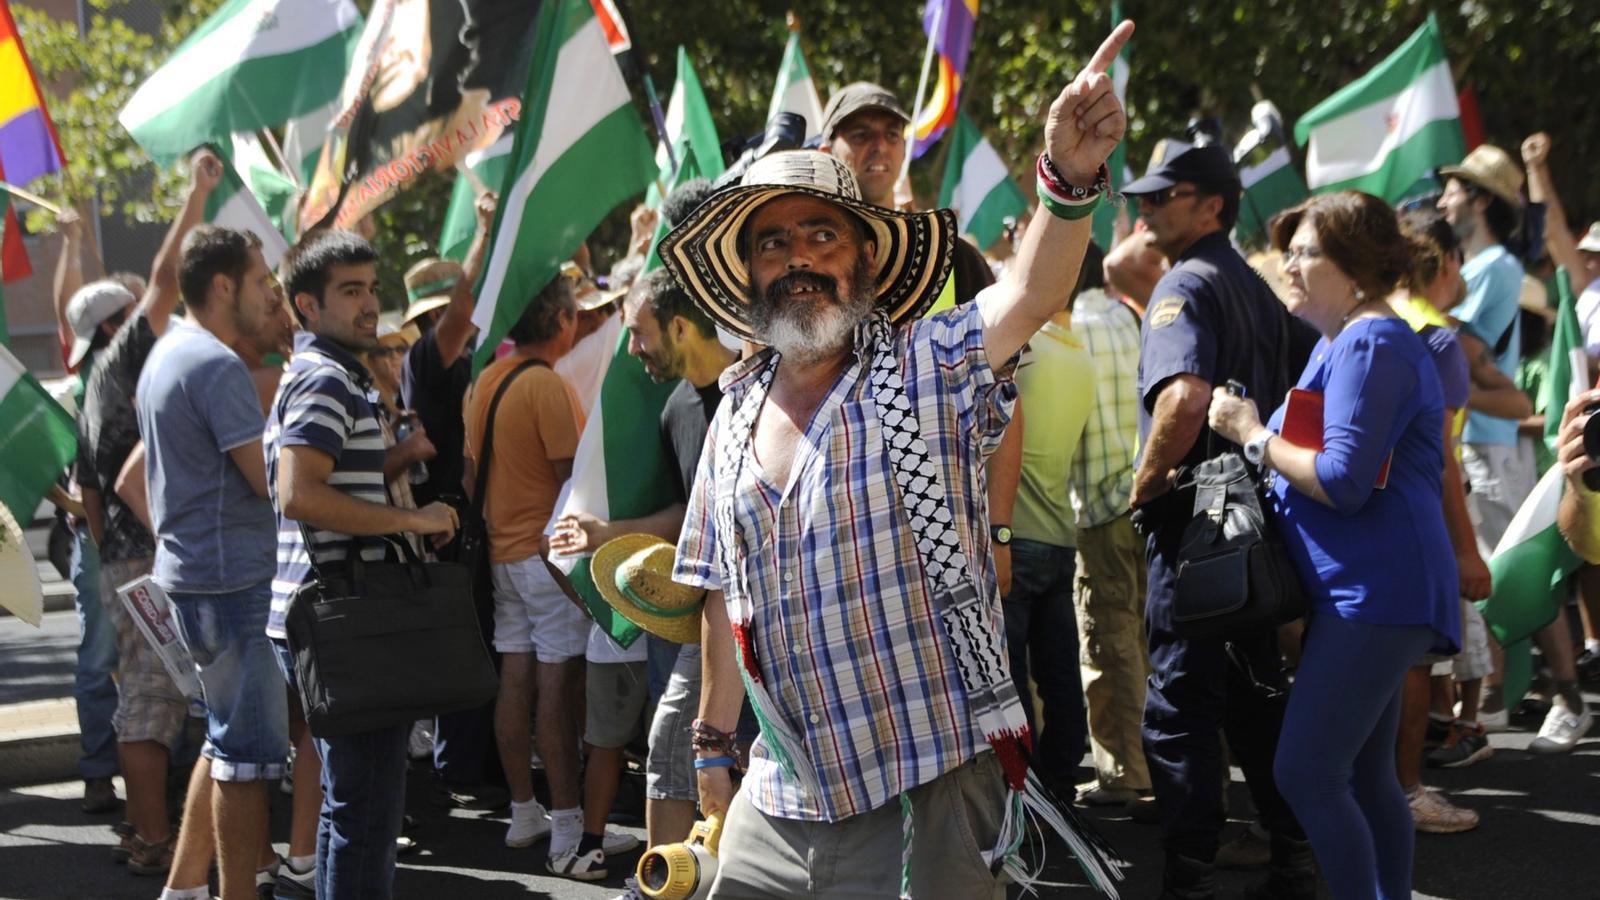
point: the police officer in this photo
(1211, 318)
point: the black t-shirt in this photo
(972, 273)
(435, 391)
(108, 430)
(1212, 316)
(685, 418)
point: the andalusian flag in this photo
(579, 151)
(1533, 560)
(978, 186)
(694, 144)
(1390, 128)
(255, 196)
(37, 439)
(1105, 216)
(1271, 185)
(254, 64)
(795, 92)
(690, 131)
(488, 167)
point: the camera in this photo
(1591, 445)
(786, 131)
(682, 871)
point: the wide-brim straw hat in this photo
(428, 286)
(912, 258)
(1492, 169)
(634, 574)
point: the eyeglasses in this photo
(1165, 196)
(1296, 254)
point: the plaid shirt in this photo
(1102, 471)
(844, 628)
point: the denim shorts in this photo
(247, 712)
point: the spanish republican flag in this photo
(29, 147)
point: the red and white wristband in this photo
(1065, 200)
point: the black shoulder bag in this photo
(1234, 575)
(377, 644)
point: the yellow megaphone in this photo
(682, 871)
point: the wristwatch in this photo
(1001, 534)
(1255, 452)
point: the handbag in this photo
(1234, 575)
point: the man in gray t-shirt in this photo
(215, 553)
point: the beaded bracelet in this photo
(707, 737)
(1065, 200)
(714, 762)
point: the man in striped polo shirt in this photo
(325, 458)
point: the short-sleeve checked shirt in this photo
(844, 627)
(323, 402)
(1102, 471)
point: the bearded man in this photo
(840, 522)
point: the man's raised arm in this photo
(1085, 124)
(161, 297)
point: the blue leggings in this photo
(1335, 762)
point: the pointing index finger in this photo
(1101, 62)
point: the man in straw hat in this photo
(838, 519)
(436, 371)
(1481, 201)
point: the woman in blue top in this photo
(1376, 561)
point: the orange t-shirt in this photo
(539, 420)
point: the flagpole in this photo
(922, 88)
(31, 197)
(660, 119)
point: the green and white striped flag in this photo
(690, 131)
(1117, 165)
(579, 151)
(303, 138)
(795, 92)
(37, 439)
(1271, 185)
(264, 183)
(978, 186)
(1391, 127)
(254, 64)
(1533, 561)
(489, 167)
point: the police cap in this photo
(1174, 161)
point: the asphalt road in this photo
(1534, 841)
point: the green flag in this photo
(1117, 165)
(795, 92)
(488, 167)
(579, 151)
(254, 64)
(695, 145)
(1391, 127)
(1271, 185)
(1567, 337)
(978, 186)
(37, 439)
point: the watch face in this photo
(1002, 534)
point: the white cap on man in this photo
(89, 307)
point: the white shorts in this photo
(532, 614)
(1473, 661)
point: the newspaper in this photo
(147, 603)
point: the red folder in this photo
(1302, 426)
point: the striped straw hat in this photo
(428, 286)
(913, 257)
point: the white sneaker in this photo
(1432, 813)
(589, 866)
(1494, 722)
(1561, 730)
(619, 842)
(528, 826)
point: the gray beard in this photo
(814, 332)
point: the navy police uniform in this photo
(1213, 317)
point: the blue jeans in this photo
(363, 806)
(247, 711)
(92, 687)
(1335, 761)
(1042, 637)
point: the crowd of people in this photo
(886, 616)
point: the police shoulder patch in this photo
(1166, 310)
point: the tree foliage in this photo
(1530, 62)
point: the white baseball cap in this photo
(1591, 239)
(89, 307)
